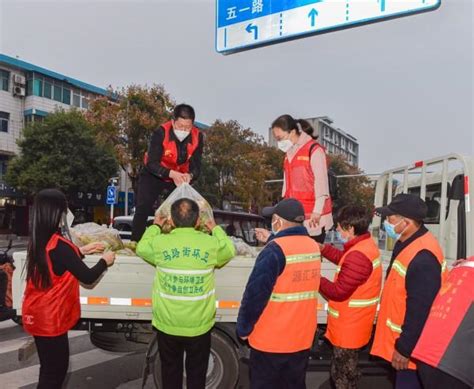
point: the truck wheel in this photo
(223, 370)
(115, 342)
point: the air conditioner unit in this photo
(18, 79)
(19, 91)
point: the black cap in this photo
(288, 209)
(406, 205)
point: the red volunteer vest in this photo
(299, 179)
(393, 302)
(446, 341)
(169, 158)
(52, 311)
(350, 322)
(288, 322)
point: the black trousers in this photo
(433, 378)
(278, 371)
(53, 354)
(172, 348)
(150, 188)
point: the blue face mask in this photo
(390, 229)
(341, 238)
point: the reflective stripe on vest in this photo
(394, 327)
(188, 298)
(286, 297)
(303, 258)
(184, 272)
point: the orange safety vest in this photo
(394, 295)
(299, 179)
(350, 322)
(288, 322)
(169, 158)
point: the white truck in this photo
(117, 311)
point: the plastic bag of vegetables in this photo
(186, 191)
(86, 233)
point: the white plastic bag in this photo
(86, 233)
(186, 191)
(243, 249)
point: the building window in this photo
(57, 93)
(76, 99)
(4, 119)
(4, 80)
(3, 167)
(85, 102)
(343, 143)
(38, 87)
(66, 96)
(327, 133)
(48, 90)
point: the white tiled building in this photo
(28, 93)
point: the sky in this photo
(403, 88)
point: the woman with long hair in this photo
(305, 173)
(54, 269)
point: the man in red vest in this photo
(278, 314)
(445, 350)
(173, 157)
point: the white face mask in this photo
(181, 135)
(285, 145)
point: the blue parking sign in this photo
(111, 195)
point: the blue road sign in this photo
(244, 24)
(111, 195)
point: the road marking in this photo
(29, 375)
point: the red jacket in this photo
(355, 270)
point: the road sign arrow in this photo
(312, 14)
(251, 28)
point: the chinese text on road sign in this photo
(242, 24)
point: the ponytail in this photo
(304, 126)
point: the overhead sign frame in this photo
(247, 24)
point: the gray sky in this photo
(404, 87)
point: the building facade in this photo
(28, 93)
(335, 140)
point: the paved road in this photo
(93, 368)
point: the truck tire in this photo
(115, 342)
(223, 370)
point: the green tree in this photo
(351, 190)
(61, 152)
(127, 122)
(236, 163)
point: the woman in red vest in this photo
(54, 268)
(305, 173)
